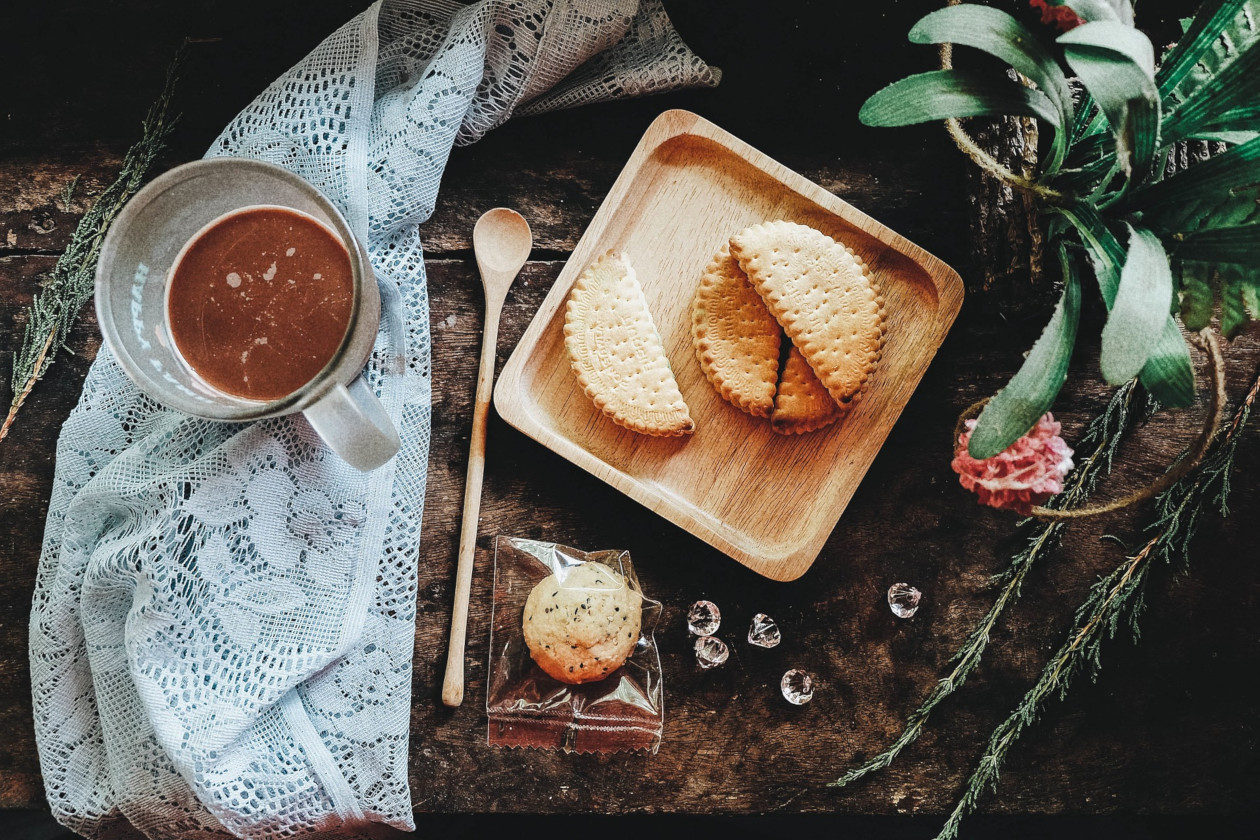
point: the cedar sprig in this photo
(71, 283)
(1102, 438)
(1116, 601)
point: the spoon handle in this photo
(453, 683)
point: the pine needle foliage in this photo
(71, 284)
(1115, 603)
(1101, 440)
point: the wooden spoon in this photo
(501, 243)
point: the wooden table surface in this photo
(1167, 729)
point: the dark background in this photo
(77, 75)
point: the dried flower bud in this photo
(1026, 473)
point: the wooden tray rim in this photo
(510, 404)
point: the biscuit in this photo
(822, 295)
(582, 624)
(735, 336)
(802, 404)
(618, 354)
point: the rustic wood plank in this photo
(1155, 713)
(34, 215)
(872, 668)
(724, 723)
(558, 197)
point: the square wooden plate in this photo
(767, 500)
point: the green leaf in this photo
(1221, 191)
(1016, 408)
(1251, 294)
(945, 94)
(1093, 9)
(999, 34)
(1233, 306)
(1234, 138)
(1244, 119)
(1105, 251)
(1167, 374)
(1202, 50)
(1196, 297)
(1117, 64)
(1236, 286)
(1223, 245)
(1140, 308)
(1225, 100)
(1089, 119)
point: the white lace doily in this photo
(222, 628)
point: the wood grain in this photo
(1167, 735)
(767, 500)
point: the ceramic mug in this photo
(138, 255)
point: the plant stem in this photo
(55, 309)
(1111, 601)
(30, 383)
(1104, 433)
(1188, 461)
(982, 158)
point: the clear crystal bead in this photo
(763, 632)
(711, 652)
(797, 687)
(704, 618)
(903, 599)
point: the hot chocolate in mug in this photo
(233, 290)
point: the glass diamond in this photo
(763, 632)
(797, 687)
(903, 599)
(704, 618)
(711, 652)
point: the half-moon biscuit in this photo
(802, 404)
(618, 354)
(735, 336)
(822, 295)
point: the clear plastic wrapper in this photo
(528, 708)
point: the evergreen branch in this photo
(67, 192)
(1116, 600)
(1103, 435)
(55, 309)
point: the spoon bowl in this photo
(502, 241)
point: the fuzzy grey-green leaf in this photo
(945, 94)
(1092, 10)
(1141, 305)
(1167, 374)
(1001, 35)
(1030, 393)
(1117, 65)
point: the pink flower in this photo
(1057, 15)
(1026, 473)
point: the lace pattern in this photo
(223, 622)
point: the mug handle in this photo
(354, 424)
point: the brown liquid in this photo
(260, 302)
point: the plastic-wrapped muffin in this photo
(581, 627)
